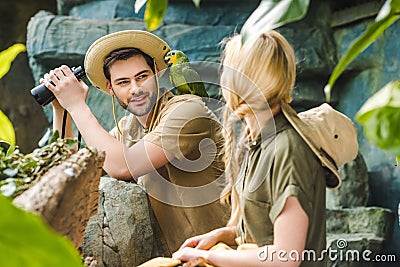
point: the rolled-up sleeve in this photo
(291, 166)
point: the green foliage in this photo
(380, 116)
(25, 240)
(139, 4)
(196, 3)
(155, 11)
(7, 57)
(19, 171)
(271, 14)
(154, 14)
(388, 14)
(7, 132)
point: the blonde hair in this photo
(256, 76)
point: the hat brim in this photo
(333, 181)
(102, 47)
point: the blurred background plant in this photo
(7, 56)
(380, 114)
(19, 171)
(25, 239)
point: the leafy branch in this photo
(271, 14)
(19, 171)
(388, 14)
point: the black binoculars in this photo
(44, 96)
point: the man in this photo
(171, 144)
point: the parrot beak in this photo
(170, 59)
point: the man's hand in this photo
(68, 90)
(55, 104)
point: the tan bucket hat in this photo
(330, 134)
(102, 47)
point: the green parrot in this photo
(182, 76)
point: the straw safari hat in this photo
(330, 134)
(102, 47)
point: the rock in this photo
(354, 191)
(65, 201)
(64, 6)
(220, 12)
(356, 235)
(123, 232)
(373, 220)
(353, 250)
(210, 13)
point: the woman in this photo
(278, 197)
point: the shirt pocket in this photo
(257, 224)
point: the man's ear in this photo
(109, 88)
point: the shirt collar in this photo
(165, 96)
(268, 132)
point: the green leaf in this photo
(388, 14)
(388, 8)
(10, 150)
(26, 240)
(7, 132)
(388, 96)
(139, 4)
(271, 14)
(154, 14)
(28, 165)
(196, 3)
(10, 172)
(54, 137)
(70, 143)
(380, 116)
(7, 57)
(8, 189)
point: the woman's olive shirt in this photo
(277, 165)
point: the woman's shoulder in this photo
(290, 143)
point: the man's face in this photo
(134, 85)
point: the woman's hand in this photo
(208, 240)
(68, 90)
(189, 254)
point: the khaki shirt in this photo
(184, 193)
(278, 165)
